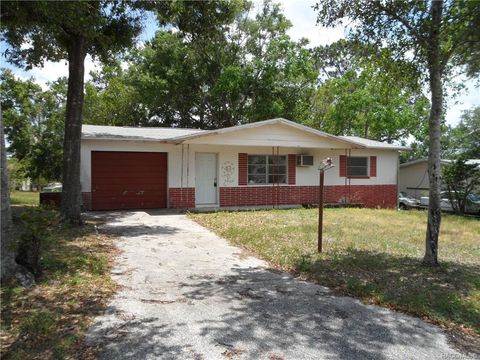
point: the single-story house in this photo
(267, 163)
(413, 176)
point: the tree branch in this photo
(414, 32)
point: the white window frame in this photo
(367, 166)
(267, 173)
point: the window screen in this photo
(267, 169)
(357, 166)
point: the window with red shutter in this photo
(373, 166)
(343, 166)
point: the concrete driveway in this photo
(188, 294)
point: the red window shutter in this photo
(373, 166)
(292, 169)
(242, 169)
(343, 166)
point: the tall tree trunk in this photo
(8, 265)
(71, 194)
(436, 89)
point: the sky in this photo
(303, 18)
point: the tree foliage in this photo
(435, 37)
(34, 123)
(45, 30)
(235, 70)
(54, 30)
(358, 97)
(464, 139)
(460, 179)
(110, 99)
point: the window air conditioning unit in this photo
(304, 160)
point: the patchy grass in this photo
(374, 255)
(49, 320)
(24, 198)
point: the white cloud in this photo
(51, 71)
(466, 100)
(304, 22)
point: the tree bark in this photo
(8, 265)
(71, 192)
(436, 89)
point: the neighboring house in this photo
(413, 176)
(256, 164)
(26, 185)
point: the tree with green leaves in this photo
(464, 139)
(235, 70)
(358, 97)
(34, 125)
(436, 37)
(51, 31)
(170, 80)
(461, 179)
(111, 99)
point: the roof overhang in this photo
(419, 161)
(307, 137)
(276, 121)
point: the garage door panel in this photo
(129, 195)
(135, 178)
(129, 180)
(158, 169)
(105, 188)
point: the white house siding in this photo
(386, 168)
(228, 155)
(413, 179)
(181, 172)
(271, 135)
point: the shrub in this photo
(38, 223)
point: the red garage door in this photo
(128, 180)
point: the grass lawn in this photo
(24, 197)
(374, 255)
(49, 320)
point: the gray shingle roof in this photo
(442, 161)
(373, 144)
(134, 133)
(178, 135)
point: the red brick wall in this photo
(55, 199)
(181, 197)
(384, 196)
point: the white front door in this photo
(205, 179)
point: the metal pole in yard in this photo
(326, 164)
(320, 211)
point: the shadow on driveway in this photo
(187, 294)
(274, 312)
